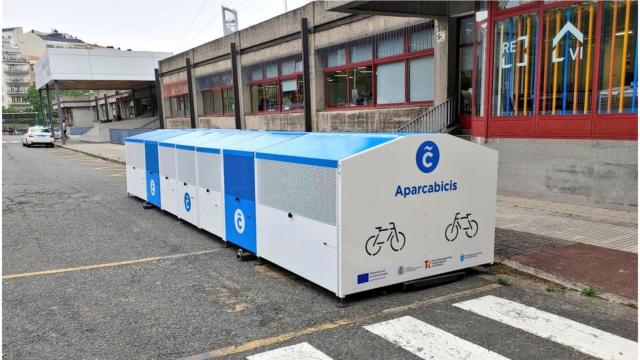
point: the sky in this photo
(142, 25)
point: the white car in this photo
(38, 135)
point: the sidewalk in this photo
(576, 246)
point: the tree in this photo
(33, 98)
(10, 109)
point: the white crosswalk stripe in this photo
(429, 342)
(293, 352)
(567, 332)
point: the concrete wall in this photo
(216, 122)
(593, 172)
(374, 120)
(284, 121)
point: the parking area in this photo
(89, 273)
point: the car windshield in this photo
(39, 130)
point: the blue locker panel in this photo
(153, 176)
(239, 195)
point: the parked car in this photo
(57, 133)
(38, 135)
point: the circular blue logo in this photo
(461, 257)
(187, 201)
(427, 156)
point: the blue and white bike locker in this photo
(354, 212)
(136, 163)
(169, 170)
(152, 164)
(240, 184)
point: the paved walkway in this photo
(576, 245)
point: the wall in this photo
(216, 122)
(83, 116)
(288, 122)
(373, 120)
(592, 172)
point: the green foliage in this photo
(10, 109)
(504, 281)
(589, 291)
(33, 98)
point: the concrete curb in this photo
(117, 161)
(566, 283)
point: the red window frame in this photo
(220, 90)
(593, 125)
(277, 79)
(405, 57)
(185, 96)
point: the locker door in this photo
(152, 173)
(239, 199)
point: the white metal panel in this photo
(135, 169)
(385, 187)
(211, 211)
(187, 202)
(303, 246)
(168, 190)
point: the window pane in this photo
(390, 44)
(291, 99)
(421, 79)
(466, 73)
(361, 52)
(466, 30)
(422, 40)
(207, 102)
(229, 104)
(479, 89)
(336, 88)
(217, 102)
(256, 73)
(271, 70)
(390, 83)
(361, 85)
(567, 59)
(514, 69)
(336, 57)
(288, 67)
(618, 90)
(265, 97)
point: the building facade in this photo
(551, 84)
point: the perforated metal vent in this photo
(309, 191)
(209, 171)
(167, 161)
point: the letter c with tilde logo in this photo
(427, 156)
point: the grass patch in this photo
(498, 268)
(504, 281)
(553, 287)
(589, 292)
(632, 305)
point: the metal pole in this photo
(306, 74)
(97, 109)
(106, 106)
(41, 106)
(60, 115)
(159, 99)
(192, 110)
(49, 109)
(236, 84)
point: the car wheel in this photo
(23, 144)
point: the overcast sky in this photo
(151, 25)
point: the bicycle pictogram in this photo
(396, 240)
(465, 223)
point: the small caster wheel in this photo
(342, 303)
(239, 254)
(260, 262)
(146, 205)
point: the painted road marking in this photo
(258, 343)
(10, 141)
(429, 342)
(293, 352)
(119, 174)
(102, 266)
(583, 338)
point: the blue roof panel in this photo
(234, 138)
(261, 142)
(190, 134)
(145, 135)
(163, 135)
(322, 149)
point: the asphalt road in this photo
(88, 273)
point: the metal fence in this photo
(435, 119)
(116, 136)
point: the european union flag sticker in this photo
(363, 278)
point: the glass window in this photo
(179, 106)
(265, 97)
(288, 67)
(256, 73)
(361, 52)
(618, 90)
(207, 102)
(465, 78)
(291, 94)
(336, 88)
(481, 50)
(508, 4)
(466, 30)
(271, 70)
(390, 44)
(229, 101)
(567, 59)
(390, 83)
(421, 40)
(336, 57)
(421, 79)
(361, 85)
(514, 65)
(217, 102)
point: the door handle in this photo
(237, 198)
(290, 215)
(166, 178)
(134, 168)
(208, 190)
(185, 184)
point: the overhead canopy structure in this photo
(400, 8)
(97, 69)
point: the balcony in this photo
(18, 81)
(16, 71)
(16, 92)
(13, 58)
